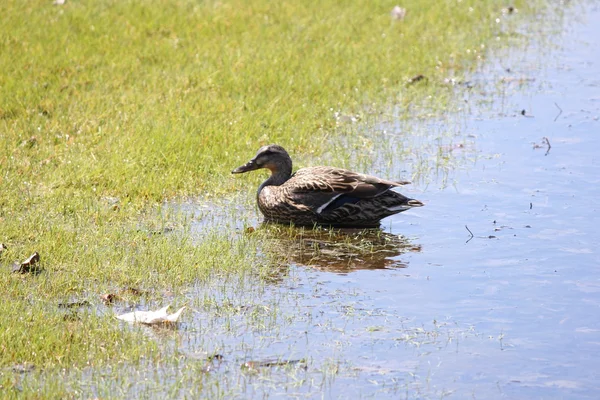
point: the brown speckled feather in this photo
(337, 180)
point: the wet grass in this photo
(109, 109)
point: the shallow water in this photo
(531, 274)
(511, 311)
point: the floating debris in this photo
(215, 357)
(59, 2)
(253, 365)
(560, 111)
(152, 317)
(398, 13)
(108, 298)
(74, 304)
(29, 266)
(525, 114)
(545, 143)
(471, 233)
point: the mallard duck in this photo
(322, 195)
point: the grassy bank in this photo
(131, 99)
(109, 108)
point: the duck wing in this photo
(322, 189)
(338, 181)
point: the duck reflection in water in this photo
(336, 250)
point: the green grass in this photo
(147, 102)
(108, 109)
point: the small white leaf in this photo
(151, 317)
(175, 316)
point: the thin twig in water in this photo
(545, 139)
(471, 233)
(559, 111)
(545, 142)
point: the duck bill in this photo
(249, 166)
(415, 203)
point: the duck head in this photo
(272, 157)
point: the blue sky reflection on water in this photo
(531, 274)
